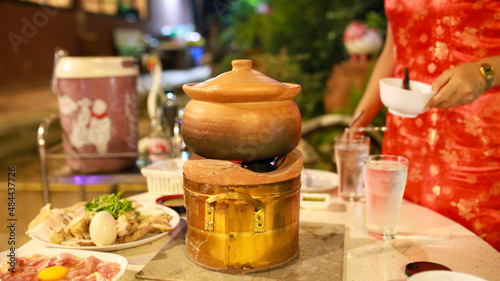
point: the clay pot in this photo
(241, 115)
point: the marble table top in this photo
(320, 259)
(424, 235)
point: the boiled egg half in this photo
(103, 229)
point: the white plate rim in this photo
(438, 274)
(173, 223)
(107, 257)
(334, 178)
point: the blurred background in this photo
(327, 46)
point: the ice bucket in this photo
(99, 115)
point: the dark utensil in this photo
(347, 130)
(421, 266)
(406, 80)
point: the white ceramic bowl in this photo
(405, 103)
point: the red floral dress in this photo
(454, 153)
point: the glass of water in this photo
(349, 155)
(385, 181)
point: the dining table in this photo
(424, 235)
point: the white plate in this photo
(107, 257)
(318, 180)
(148, 238)
(443, 275)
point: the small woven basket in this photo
(165, 177)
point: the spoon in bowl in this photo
(406, 80)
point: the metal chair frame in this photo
(330, 122)
(55, 152)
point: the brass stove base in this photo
(240, 221)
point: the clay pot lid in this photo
(241, 84)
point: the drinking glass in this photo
(385, 181)
(349, 154)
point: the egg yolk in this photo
(53, 273)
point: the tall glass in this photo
(349, 154)
(385, 181)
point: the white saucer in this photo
(318, 180)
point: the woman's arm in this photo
(370, 102)
(462, 84)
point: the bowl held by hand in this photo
(402, 102)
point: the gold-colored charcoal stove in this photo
(240, 219)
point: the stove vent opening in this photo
(263, 166)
